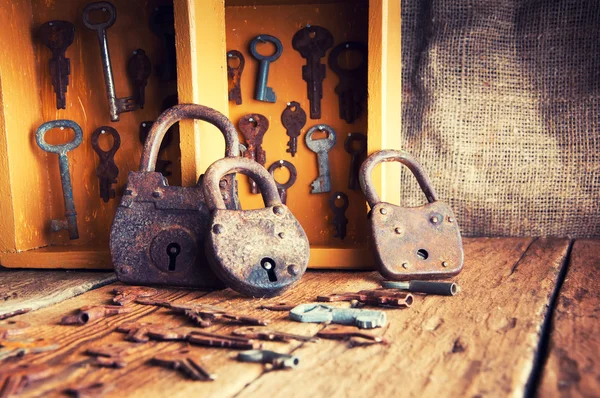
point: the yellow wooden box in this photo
(30, 193)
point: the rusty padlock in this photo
(258, 252)
(157, 236)
(411, 243)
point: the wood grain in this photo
(481, 342)
(573, 367)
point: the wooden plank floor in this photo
(483, 342)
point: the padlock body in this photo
(157, 236)
(416, 243)
(258, 253)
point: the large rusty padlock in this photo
(258, 252)
(157, 236)
(411, 243)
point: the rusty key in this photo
(356, 153)
(271, 335)
(352, 88)
(70, 221)
(58, 36)
(352, 334)
(139, 69)
(91, 313)
(339, 214)
(182, 361)
(312, 42)
(235, 74)
(107, 171)
(14, 379)
(222, 341)
(282, 188)
(162, 166)
(293, 119)
(129, 294)
(380, 297)
(253, 127)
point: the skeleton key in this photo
(107, 171)
(356, 153)
(139, 68)
(222, 341)
(162, 166)
(129, 294)
(312, 42)
(352, 88)
(263, 92)
(162, 24)
(70, 221)
(115, 105)
(253, 127)
(235, 74)
(181, 361)
(293, 119)
(321, 147)
(339, 214)
(282, 188)
(57, 36)
(271, 335)
(14, 379)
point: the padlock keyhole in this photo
(422, 254)
(173, 250)
(269, 265)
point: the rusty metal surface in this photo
(183, 362)
(382, 298)
(293, 119)
(254, 127)
(259, 252)
(139, 68)
(129, 294)
(354, 335)
(158, 232)
(235, 74)
(91, 313)
(411, 243)
(107, 171)
(13, 379)
(58, 36)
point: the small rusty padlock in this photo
(411, 243)
(258, 252)
(157, 235)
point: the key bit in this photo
(353, 334)
(428, 287)
(282, 188)
(139, 69)
(339, 213)
(91, 313)
(271, 335)
(235, 75)
(58, 36)
(161, 164)
(293, 119)
(14, 379)
(129, 294)
(356, 154)
(312, 42)
(107, 171)
(254, 127)
(183, 362)
(263, 92)
(319, 313)
(380, 297)
(321, 147)
(272, 360)
(352, 88)
(11, 328)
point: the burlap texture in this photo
(501, 105)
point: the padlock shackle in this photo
(390, 155)
(254, 170)
(187, 111)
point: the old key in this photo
(339, 214)
(321, 147)
(282, 188)
(162, 165)
(70, 223)
(185, 363)
(57, 36)
(352, 88)
(107, 171)
(115, 105)
(139, 69)
(253, 127)
(263, 92)
(293, 119)
(312, 42)
(356, 152)
(235, 74)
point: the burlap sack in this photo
(501, 105)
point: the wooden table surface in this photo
(524, 323)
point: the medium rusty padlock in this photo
(157, 236)
(411, 243)
(258, 252)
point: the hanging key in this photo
(321, 147)
(339, 214)
(184, 363)
(162, 24)
(282, 188)
(235, 74)
(162, 165)
(263, 92)
(352, 88)
(312, 42)
(253, 127)
(70, 221)
(139, 69)
(115, 105)
(356, 154)
(293, 119)
(107, 171)
(57, 36)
